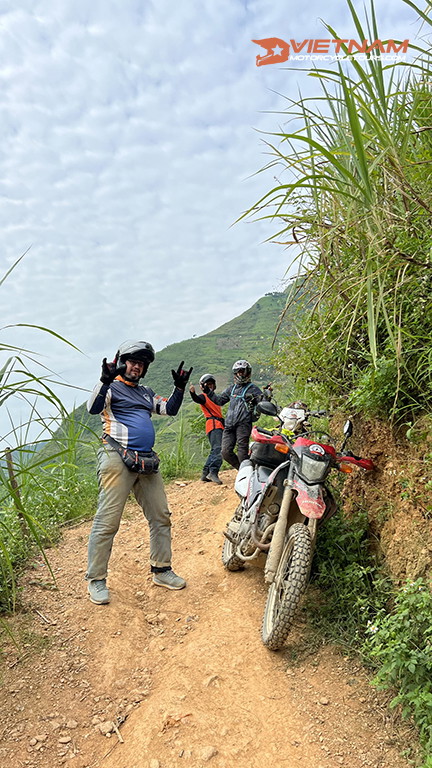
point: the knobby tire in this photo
(287, 588)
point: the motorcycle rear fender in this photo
(310, 498)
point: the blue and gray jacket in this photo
(126, 409)
(242, 400)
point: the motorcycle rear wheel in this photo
(230, 560)
(287, 588)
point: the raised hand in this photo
(180, 376)
(110, 371)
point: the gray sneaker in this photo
(169, 579)
(98, 591)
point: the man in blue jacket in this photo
(127, 462)
(243, 396)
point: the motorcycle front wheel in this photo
(230, 560)
(287, 588)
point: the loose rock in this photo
(207, 753)
(106, 727)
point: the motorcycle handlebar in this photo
(349, 458)
(264, 431)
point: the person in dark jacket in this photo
(214, 427)
(126, 409)
(243, 397)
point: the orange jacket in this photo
(213, 414)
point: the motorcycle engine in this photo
(267, 517)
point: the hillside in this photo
(250, 336)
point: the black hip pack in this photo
(145, 463)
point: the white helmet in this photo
(242, 371)
(135, 350)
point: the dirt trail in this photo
(183, 675)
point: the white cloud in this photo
(128, 148)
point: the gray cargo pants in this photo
(116, 481)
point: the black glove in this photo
(110, 371)
(267, 392)
(180, 376)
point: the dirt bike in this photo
(284, 499)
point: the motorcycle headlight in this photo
(290, 424)
(312, 470)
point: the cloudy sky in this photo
(131, 133)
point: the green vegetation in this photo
(353, 586)
(400, 645)
(183, 458)
(354, 201)
(356, 204)
(361, 610)
(41, 486)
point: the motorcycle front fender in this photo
(310, 499)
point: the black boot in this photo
(214, 478)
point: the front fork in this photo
(278, 537)
(280, 530)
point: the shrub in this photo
(400, 644)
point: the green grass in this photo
(354, 200)
(353, 587)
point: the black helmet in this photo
(242, 371)
(135, 350)
(206, 379)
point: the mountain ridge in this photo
(249, 335)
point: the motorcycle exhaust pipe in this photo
(261, 543)
(278, 538)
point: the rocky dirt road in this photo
(161, 679)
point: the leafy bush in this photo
(400, 643)
(359, 608)
(353, 586)
(374, 392)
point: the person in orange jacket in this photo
(214, 427)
